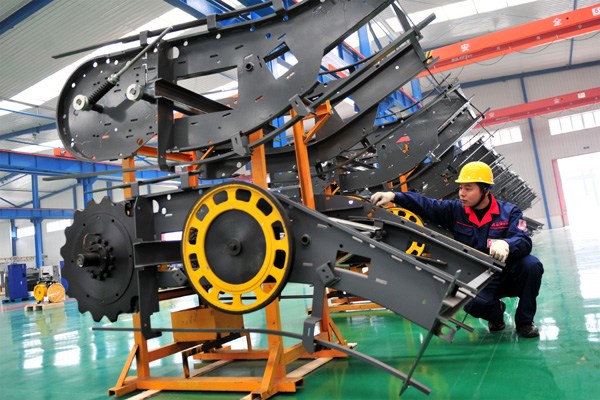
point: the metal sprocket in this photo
(98, 256)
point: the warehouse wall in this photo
(522, 156)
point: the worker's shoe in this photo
(528, 330)
(498, 326)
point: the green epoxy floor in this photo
(55, 355)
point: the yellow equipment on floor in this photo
(54, 291)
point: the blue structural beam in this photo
(88, 186)
(54, 166)
(8, 202)
(22, 14)
(364, 45)
(52, 194)
(26, 113)
(537, 157)
(13, 237)
(35, 213)
(8, 178)
(37, 223)
(36, 129)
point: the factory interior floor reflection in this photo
(54, 354)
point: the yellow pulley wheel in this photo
(414, 248)
(39, 291)
(56, 293)
(237, 244)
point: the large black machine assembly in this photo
(243, 242)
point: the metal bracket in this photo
(211, 22)
(308, 332)
(327, 275)
(299, 107)
(240, 145)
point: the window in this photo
(59, 225)
(574, 122)
(25, 231)
(497, 138)
(506, 136)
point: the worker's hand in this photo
(499, 250)
(382, 198)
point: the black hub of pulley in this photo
(96, 258)
(235, 247)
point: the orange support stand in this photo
(275, 378)
(128, 177)
(322, 113)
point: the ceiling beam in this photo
(35, 129)
(22, 14)
(51, 194)
(26, 113)
(537, 33)
(543, 106)
(8, 202)
(31, 213)
(36, 164)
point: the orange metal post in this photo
(322, 114)
(303, 168)
(275, 369)
(259, 163)
(128, 177)
(326, 325)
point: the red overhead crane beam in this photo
(537, 33)
(544, 106)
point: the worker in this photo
(479, 220)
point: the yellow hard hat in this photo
(476, 171)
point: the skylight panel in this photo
(463, 9)
(483, 6)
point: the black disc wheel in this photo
(237, 247)
(99, 260)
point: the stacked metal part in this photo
(238, 237)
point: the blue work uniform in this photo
(522, 276)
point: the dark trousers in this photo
(520, 278)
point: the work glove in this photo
(382, 198)
(499, 250)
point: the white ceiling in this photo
(26, 51)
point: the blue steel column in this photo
(87, 187)
(13, 237)
(537, 157)
(363, 42)
(75, 198)
(109, 192)
(37, 223)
